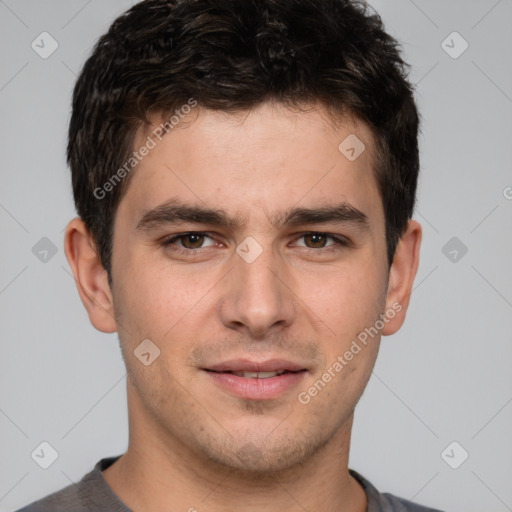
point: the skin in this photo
(193, 445)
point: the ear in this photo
(90, 276)
(401, 277)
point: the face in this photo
(285, 274)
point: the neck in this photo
(159, 473)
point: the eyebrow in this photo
(175, 211)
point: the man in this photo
(245, 175)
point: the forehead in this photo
(270, 158)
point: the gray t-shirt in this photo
(92, 494)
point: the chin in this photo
(262, 458)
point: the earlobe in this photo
(90, 276)
(401, 277)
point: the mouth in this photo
(256, 380)
(257, 375)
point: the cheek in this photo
(169, 306)
(347, 296)
(349, 306)
(157, 294)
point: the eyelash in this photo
(340, 242)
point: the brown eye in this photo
(188, 242)
(317, 240)
(196, 241)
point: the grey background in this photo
(446, 376)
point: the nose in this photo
(258, 296)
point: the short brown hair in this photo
(232, 55)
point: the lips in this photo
(256, 380)
(258, 375)
(245, 365)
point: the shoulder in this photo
(389, 502)
(65, 500)
(90, 494)
(385, 502)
